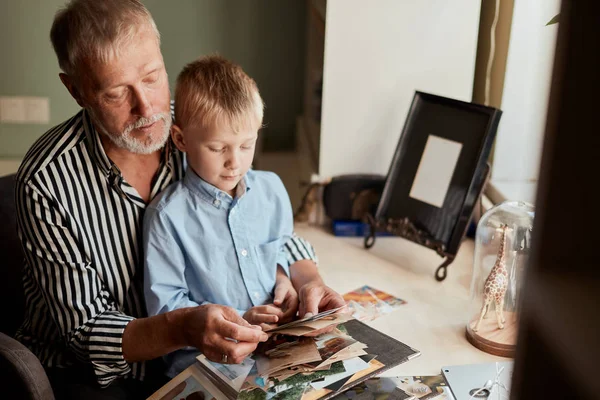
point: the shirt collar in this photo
(94, 145)
(211, 193)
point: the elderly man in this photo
(81, 193)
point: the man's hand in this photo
(286, 297)
(316, 297)
(210, 328)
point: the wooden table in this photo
(433, 321)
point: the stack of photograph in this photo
(314, 358)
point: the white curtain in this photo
(525, 98)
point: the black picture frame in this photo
(442, 228)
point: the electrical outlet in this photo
(37, 110)
(23, 110)
(12, 109)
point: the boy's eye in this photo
(215, 150)
(248, 147)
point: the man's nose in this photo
(142, 105)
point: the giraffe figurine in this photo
(496, 285)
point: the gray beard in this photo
(147, 145)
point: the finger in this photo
(311, 303)
(289, 317)
(240, 333)
(310, 299)
(290, 301)
(267, 327)
(232, 316)
(269, 309)
(334, 300)
(229, 314)
(214, 355)
(328, 299)
(280, 292)
(265, 318)
(241, 351)
(291, 308)
(235, 352)
(301, 308)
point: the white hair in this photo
(96, 30)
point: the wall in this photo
(376, 56)
(29, 68)
(267, 38)
(9, 166)
(518, 149)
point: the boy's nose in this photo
(233, 161)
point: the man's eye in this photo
(150, 79)
(115, 96)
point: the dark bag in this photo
(351, 197)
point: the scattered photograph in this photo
(232, 374)
(189, 389)
(423, 387)
(367, 303)
(376, 389)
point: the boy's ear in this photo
(177, 136)
(70, 85)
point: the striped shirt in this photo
(80, 226)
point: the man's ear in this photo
(70, 85)
(177, 136)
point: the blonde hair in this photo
(212, 90)
(96, 29)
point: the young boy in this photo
(217, 236)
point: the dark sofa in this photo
(22, 374)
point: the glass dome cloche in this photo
(502, 247)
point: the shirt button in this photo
(256, 295)
(244, 252)
(217, 202)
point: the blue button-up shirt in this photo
(203, 246)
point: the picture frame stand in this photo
(405, 228)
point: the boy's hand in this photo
(266, 316)
(286, 298)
